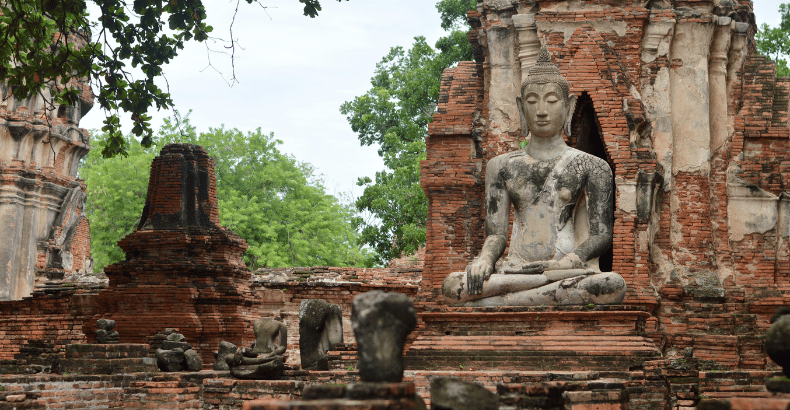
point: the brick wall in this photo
(704, 287)
(282, 290)
(640, 390)
(452, 179)
(54, 315)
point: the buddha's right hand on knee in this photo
(477, 272)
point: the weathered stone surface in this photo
(563, 201)
(320, 329)
(115, 358)
(105, 332)
(352, 396)
(381, 322)
(777, 340)
(193, 361)
(170, 345)
(266, 359)
(448, 393)
(271, 336)
(225, 349)
(105, 324)
(170, 360)
(176, 355)
(257, 368)
(778, 386)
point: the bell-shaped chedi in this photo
(182, 269)
(180, 221)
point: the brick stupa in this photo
(182, 269)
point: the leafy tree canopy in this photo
(395, 114)
(40, 49)
(277, 204)
(774, 42)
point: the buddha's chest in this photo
(531, 182)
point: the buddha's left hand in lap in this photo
(571, 261)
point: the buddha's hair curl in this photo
(545, 72)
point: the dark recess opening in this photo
(586, 136)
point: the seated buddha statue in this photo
(562, 220)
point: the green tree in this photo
(395, 114)
(774, 42)
(277, 204)
(116, 194)
(39, 50)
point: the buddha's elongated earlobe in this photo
(569, 118)
(524, 124)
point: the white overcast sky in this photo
(294, 72)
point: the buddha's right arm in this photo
(493, 248)
(497, 218)
(497, 212)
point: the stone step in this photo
(530, 353)
(108, 366)
(106, 351)
(536, 321)
(583, 344)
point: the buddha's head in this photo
(547, 104)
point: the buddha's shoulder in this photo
(590, 161)
(585, 156)
(521, 156)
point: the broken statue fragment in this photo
(320, 329)
(381, 322)
(266, 359)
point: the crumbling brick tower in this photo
(692, 122)
(182, 269)
(46, 235)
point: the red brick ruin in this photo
(42, 210)
(182, 269)
(695, 126)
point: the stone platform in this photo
(569, 338)
(651, 389)
(120, 358)
(354, 396)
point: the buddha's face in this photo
(545, 109)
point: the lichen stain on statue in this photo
(561, 199)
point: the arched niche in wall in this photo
(586, 136)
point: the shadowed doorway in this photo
(586, 136)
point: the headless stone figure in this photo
(265, 360)
(562, 200)
(271, 336)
